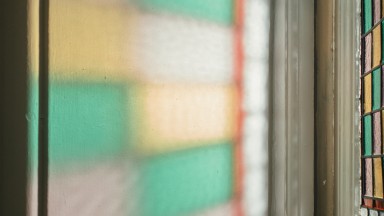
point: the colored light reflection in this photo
(143, 108)
(143, 101)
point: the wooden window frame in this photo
(337, 189)
(347, 154)
(291, 150)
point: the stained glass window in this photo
(372, 114)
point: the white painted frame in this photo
(291, 153)
(347, 142)
(292, 137)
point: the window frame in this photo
(337, 108)
(291, 150)
(347, 152)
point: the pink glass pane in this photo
(368, 177)
(368, 53)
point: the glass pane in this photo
(376, 89)
(377, 133)
(367, 15)
(372, 103)
(142, 107)
(151, 103)
(368, 53)
(368, 93)
(377, 12)
(378, 177)
(368, 135)
(376, 46)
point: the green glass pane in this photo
(220, 11)
(184, 181)
(367, 15)
(376, 89)
(87, 121)
(368, 135)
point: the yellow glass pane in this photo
(376, 46)
(179, 116)
(378, 187)
(87, 40)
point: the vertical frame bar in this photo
(292, 153)
(347, 141)
(43, 108)
(325, 108)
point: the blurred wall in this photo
(13, 108)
